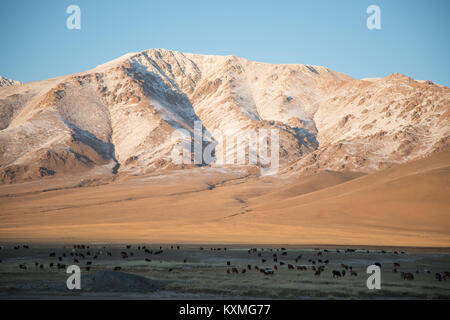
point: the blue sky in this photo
(414, 39)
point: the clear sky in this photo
(414, 36)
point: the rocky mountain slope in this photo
(5, 82)
(120, 116)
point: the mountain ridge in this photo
(120, 116)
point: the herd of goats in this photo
(318, 265)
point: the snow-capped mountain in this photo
(120, 116)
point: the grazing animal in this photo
(282, 263)
(326, 261)
(23, 267)
(267, 272)
(235, 270)
(88, 263)
(249, 267)
(275, 267)
(395, 270)
(185, 260)
(284, 253)
(117, 268)
(336, 274)
(446, 274)
(228, 263)
(290, 266)
(344, 266)
(407, 276)
(53, 254)
(148, 260)
(228, 271)
(397, 265)
(244, 270)
(263, 260)
(317, 273)
(51, 265)
(256, 268)
(88, 268)
(438, 276)
(377, 264)
(353, 273)
(343, 273)
(158, 252)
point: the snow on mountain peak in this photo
(121, 115)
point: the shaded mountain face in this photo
(122, 116)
